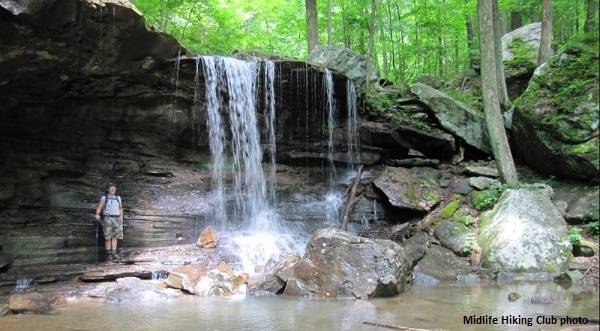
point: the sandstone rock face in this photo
(524, 234)
(88, 94)
(343, 61)
(338, 264)
(455, 117)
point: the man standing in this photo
(111, 208)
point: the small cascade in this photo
(23, 283)
(354, 157)
(216, 133)
(331, 125)
(159, 275)
(269, 88)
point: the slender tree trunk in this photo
(489, 90)
(371, 44)
(329, 28)
(312, 25)
(591, 17)
(162, 24)
(345, 27)
(546, 38)
(516, 21)
(402, 64)
(503, 23)
(384, 53)
(470, 40)
(505, 103)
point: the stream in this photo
(445, 306)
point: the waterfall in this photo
(231, 105)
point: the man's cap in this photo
(109, 184)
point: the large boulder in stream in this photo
(524, 234)
(440, 264)
(338, 264)
(455, 117)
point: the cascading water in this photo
(243, 204)
(352, 127)
(331, 124)
(231, 105)
(269, 88)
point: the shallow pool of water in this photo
(433, 307)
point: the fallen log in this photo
(352, 197)
(394, 327)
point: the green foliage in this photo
(575, 235)
(486, 199)
(524, 55)
(412, 37)
(470, 244)
(466, 220)
(450, 209)
(595, 228)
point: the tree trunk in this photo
(371, 43)
(516, 21)
(312, 25)
(489, 90)
(591, 17)
(505, 103)
(470, 40)
(329, 28)
(546, 38)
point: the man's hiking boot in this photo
(115, 256)
(109, 256)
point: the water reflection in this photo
(435, 307)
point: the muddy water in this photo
(434, 307)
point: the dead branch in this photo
(394, 327)
(352, 197)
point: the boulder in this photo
(273, 279)
(135, 289)
(455, 116)
(407, 190)
(520, 53)
(208, 238)
(337, 264)
(221, 283)
(416, 246)
(343, 61)
(582, 202)
(440, 264)
(33, 302)
(524, 234)
(530, 34)
(556, 121)
(398, 139)
(453, 235)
